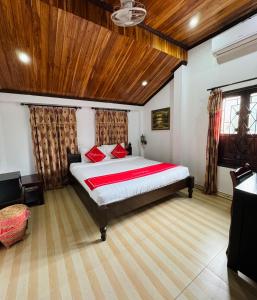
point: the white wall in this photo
(15, 136)
(2, 150)
(180, 111)
(201, 73)
(187, 95)
(158, 141)
(16, 144)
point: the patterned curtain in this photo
(111, 127)
(54, 131)
(215, 113)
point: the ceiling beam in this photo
(99, 13)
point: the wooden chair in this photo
(239, 175)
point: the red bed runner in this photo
(95, 182)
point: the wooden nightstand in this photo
(33, 189)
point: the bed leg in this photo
(190, 192)
(191, 182)
(103, 233)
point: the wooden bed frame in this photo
(104, 213)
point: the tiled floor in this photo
(217, 282)
(173, 250)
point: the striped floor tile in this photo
(172, 250)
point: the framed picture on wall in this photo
(161, 119)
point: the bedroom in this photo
(72, 55)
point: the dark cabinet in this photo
(242, 250)
(11, 191)
(15, 188)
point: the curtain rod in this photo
(221, 86)
(99, 108)
(49, 105)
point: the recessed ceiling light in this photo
(144, 83)
(23, 57)
(194, 22)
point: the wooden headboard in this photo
(73, 158)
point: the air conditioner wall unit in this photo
(236, 41)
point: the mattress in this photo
(119, 191)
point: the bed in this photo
(113, 200)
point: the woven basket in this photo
(13, 222)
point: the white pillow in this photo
(102, 148)
(107, 149)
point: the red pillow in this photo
(119, 151)
(95, 155)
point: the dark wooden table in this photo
(242, 249)
(33, 189)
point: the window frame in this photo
(232, 95)
(225, 158)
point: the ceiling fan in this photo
(129, 13)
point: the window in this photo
(252, 123)
(238, 134)
(230, 115)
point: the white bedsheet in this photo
(123, 190)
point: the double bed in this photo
(113, 199)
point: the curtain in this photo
(215, 113)
(54, 131)
(111, 127)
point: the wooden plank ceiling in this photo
(77, 52)
(172, 17)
